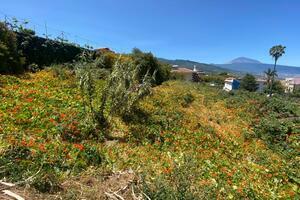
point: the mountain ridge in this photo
(244, 60)
(190, 65)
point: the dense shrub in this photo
(118, 96)
(195, 77)
(248, 82)
(10, 57)
(279, 120)
(45, 52)
(276, 88)
(147, 62)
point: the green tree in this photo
(249, 83)
(276, 52)
(277, 87)
(10, 58)
(196, 77)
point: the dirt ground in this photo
(115, 186)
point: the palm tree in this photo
(276, 52)
(270, 74)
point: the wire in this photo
(43, 30)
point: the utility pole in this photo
(5, 19)
(46, 30)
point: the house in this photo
(231, 84)
(292, 84)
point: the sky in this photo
(208, 31)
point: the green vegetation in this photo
(276, 52)
(186, 140)
(75, 129)
(249, 83)
(10, 58)
(21, 49)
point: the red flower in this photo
(79, 147)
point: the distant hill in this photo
(255, 67)
(190, 65)
(244, 60)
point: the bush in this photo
(277, 88)
(10, 58)
(188, 98)
(279, 121)
(147, 62)
(120, 93)
(249, 83)
(195, 77)
(273, 130)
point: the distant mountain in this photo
(240, 66)
(255, 67)
(244, 60)
(190, 65)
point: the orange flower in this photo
(24, 143)
(62, 115)
(79, 147)
(42, 147)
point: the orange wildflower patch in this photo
(79, 147)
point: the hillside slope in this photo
(185, 139)
(200, 66)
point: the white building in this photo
(291, 84)
(231, 84)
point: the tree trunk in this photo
(273, 77)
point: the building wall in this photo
(228, 86)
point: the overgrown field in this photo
(185, 141)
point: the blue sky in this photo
(210, 31)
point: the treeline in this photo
(21, 49)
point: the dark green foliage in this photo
(196, 77)
(276, 87)
(146, 61)
(44, 52)
(188, 98)
(20, 48)
(279, 119)
(10, 58)
(249, 83)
